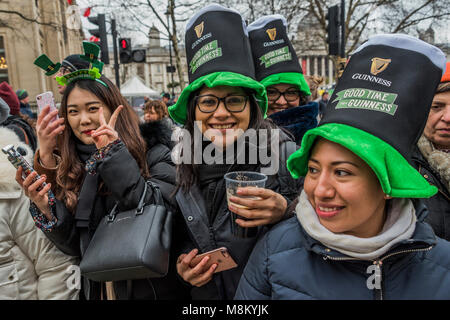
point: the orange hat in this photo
(446, 76)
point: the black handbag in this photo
(133, 244)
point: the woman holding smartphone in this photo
(359, 230)
(103, 159)
(222, 102)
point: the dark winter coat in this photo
(288, 264)
(297, 120)
(439, 204)
(26, 110)
(120, 173)
(205, 235)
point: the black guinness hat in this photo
(379, 110)
(218, 53)
(273, 54)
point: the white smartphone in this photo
(46, 99)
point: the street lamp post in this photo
(168, 12)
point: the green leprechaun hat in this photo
(274, 56)
(91, 52)
(218, 54)
(379, 110)
(47, 65)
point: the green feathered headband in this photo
(91, 53)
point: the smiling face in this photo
(280, 103)
(222, 126)
(437, 129)
(344, 191)
(83, 113)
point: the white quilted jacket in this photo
(31, 267)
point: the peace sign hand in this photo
(105, 134)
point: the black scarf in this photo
(88, 190)
(212, 183)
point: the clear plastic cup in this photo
(241, 179)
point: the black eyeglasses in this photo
(289, 95)
(64, 70)
(233, 103)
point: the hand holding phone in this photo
(219, 256)
(40, 193)
(48, 128)
(46, 99)
(17, 160)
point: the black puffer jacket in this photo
(206, 235)
(439, 204)
(120, 173)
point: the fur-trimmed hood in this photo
(297, 120)
(9, 188)
(157, 132)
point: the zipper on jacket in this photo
(211, 235)
(378, 263)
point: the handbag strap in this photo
(157, 199)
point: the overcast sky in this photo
(442, 35)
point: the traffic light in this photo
(101, 34)
(170, 69)
(125, 53)
(138, 55)
(333, 30)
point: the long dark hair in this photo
(187, 174)
(71, 170)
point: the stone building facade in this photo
(22, 41)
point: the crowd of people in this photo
(357, 208)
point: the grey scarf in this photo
(399, 226)
(438, 160)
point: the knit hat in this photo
(4, 110)
(379, 113)
(273, 54)
(218, 54)
(10, 97)
(21, 94)
(74, 63)
(446, 76)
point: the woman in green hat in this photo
(222, 105)
(359, 230)
(278, 69)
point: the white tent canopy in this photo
(134, 87)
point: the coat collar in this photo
(156, 132)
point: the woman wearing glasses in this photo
(278, 69)
(359, 230)
(222, 104)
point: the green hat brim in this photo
(55, 69)
(397, 177)
(178, 111)
(293, 78)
